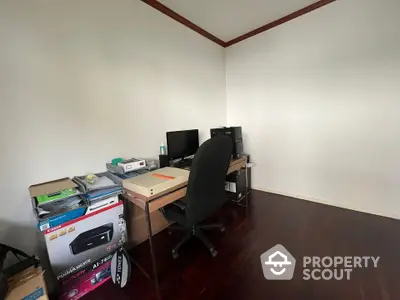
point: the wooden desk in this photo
(152, 204)
(160, 200)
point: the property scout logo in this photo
(278, 264)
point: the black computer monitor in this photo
(182, 143)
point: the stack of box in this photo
(56, 202)
(84, 231)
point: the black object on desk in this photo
(164, 160)
(205, 192)
(182, 144)
(183, 164)
(235, 134)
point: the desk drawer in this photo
(137, 225)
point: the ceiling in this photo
(230, 21)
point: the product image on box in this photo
(92, 238)
(100, 276)
(77, 244)
(86, 283)
(57, 195)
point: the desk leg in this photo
(140, 267)
(247, 186)
(153, 259)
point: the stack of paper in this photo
(103, 187)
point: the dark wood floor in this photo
(304, 228)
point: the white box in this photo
(132, 165)
(156, 182)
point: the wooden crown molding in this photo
(177, 17)
(280, 21)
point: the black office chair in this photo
(205, 192)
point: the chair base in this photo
(197, 231)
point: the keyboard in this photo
(185, 164)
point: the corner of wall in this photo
(226, 86)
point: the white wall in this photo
(319, 102)
(82, 82)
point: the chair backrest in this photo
(206, 185)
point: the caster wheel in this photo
(175, 255)
(214, 253)
(222, 229)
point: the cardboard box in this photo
(87, 280)
(155, 182)
(49, 187)
(74, 245)
(28, 285)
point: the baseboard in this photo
(325, 202)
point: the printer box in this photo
(28, 284)
(87, 280)
(74, 245)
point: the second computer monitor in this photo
(182, 143)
